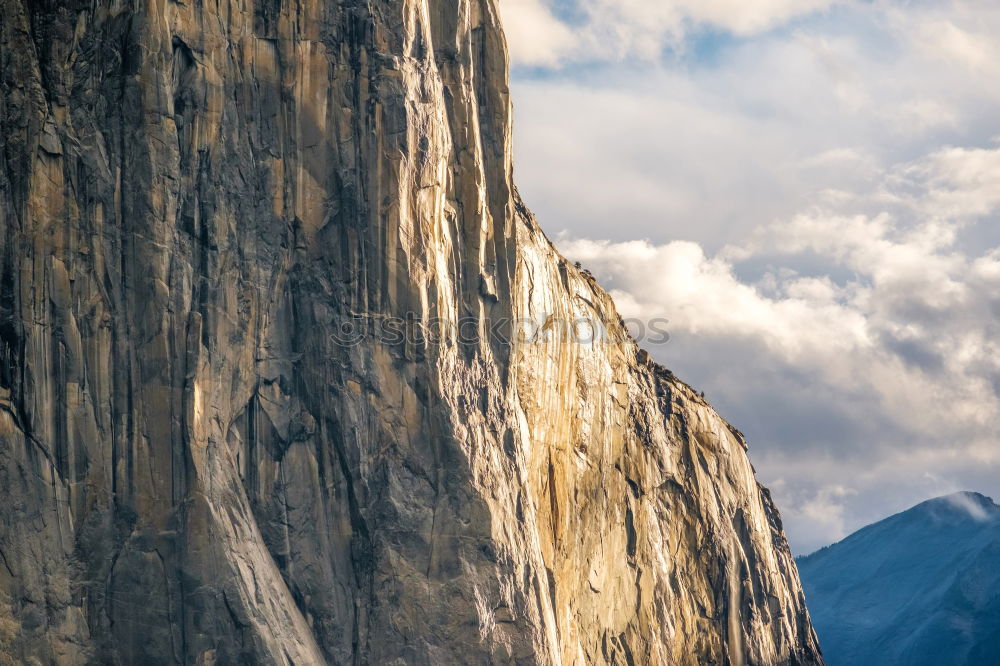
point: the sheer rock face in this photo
(262, 399)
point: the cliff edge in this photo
(284, 375)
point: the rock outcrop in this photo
(285, 374)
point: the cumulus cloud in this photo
(953, 183)
(741, 131)
(536, 37)
(603, 30)
(956, 32)
(744, 18)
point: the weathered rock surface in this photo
(227, 433)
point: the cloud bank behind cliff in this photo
(809, 192)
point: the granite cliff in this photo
(266, 394)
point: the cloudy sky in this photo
(809, 190)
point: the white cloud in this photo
(534, 35)
(752, 132)
(824, 512)
(955, 32)
(610, 30)
(947, 39)
(702, 296)
(955, 182)
(744, 18)
(966, 503)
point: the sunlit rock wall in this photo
(286, 374)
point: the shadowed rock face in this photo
(237, 421)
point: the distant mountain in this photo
(921, 587)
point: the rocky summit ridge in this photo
(265, 395)
(919, 588)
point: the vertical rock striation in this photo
(263, 397)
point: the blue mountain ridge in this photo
(918, 588)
